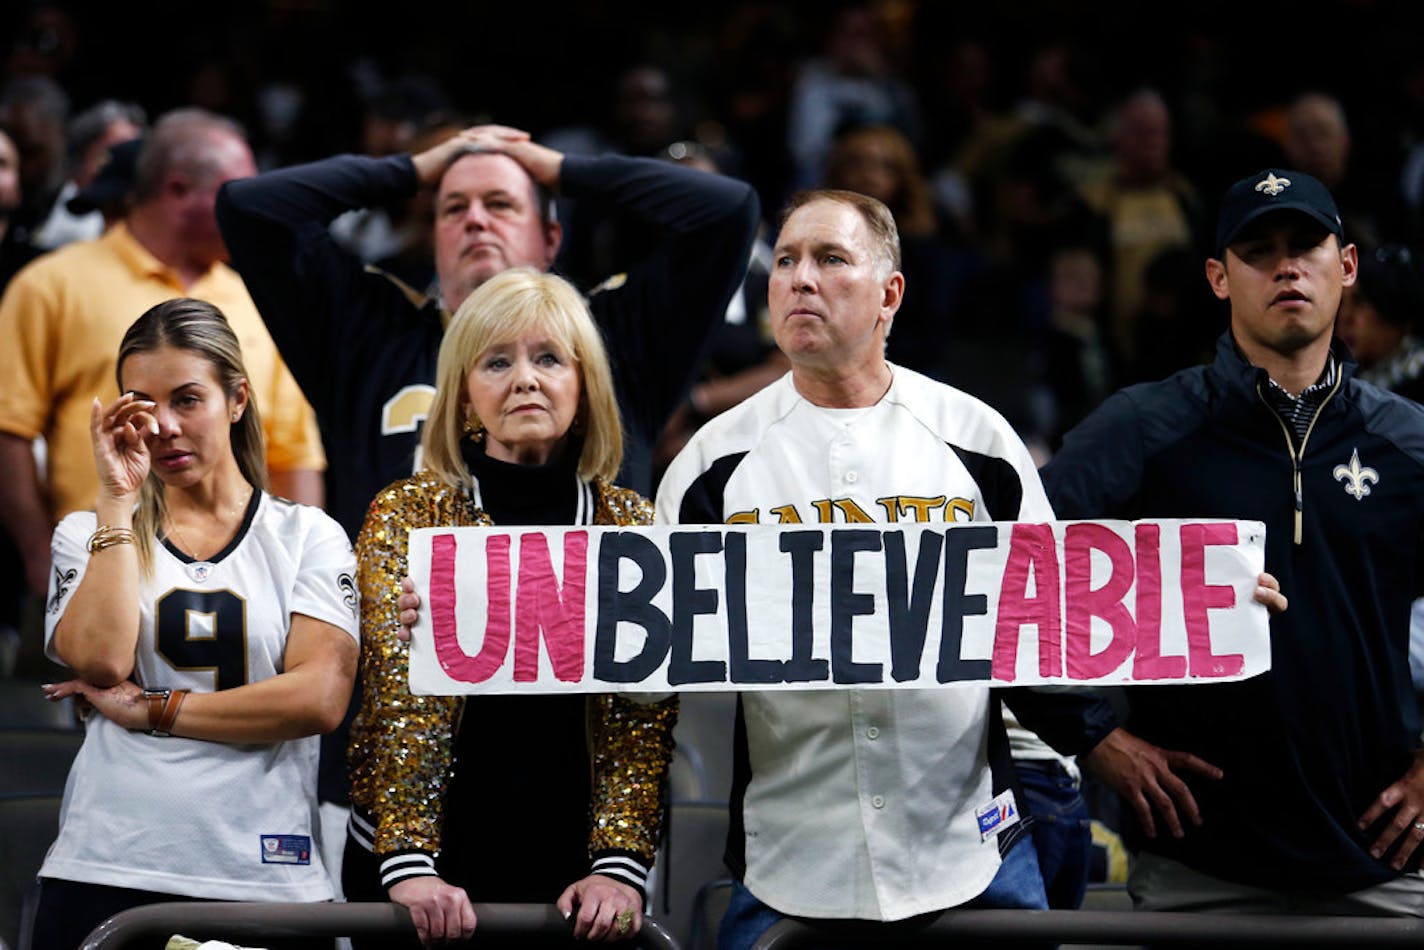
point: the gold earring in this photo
(475, 432)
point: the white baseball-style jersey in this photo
(187, 816)
(860, 803)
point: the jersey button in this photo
(878, 801)
(851, 477)
(873, 732)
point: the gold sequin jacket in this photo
(401, 752)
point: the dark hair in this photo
(198, 327)
(911, 204)
(877, 218)
(1389, 280)
(89, 126)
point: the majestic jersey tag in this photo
(998, 815)
(286, 849)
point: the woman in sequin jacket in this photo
(503, 798)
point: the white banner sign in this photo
(719, 607)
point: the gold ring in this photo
(624, 920)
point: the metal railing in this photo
(256, 921)
(1158, 928)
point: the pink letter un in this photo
(456, 663)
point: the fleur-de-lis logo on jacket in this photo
(1357, 479)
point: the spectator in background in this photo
(1073, 362)
(396, 114)
(110, 192)
(1318, 142)
(1178, 322)
(742, 357)
(1378, 320)
(65, 314)
(880, 162)
(643, 118)
(853, 82)
(14, 254)
(90, 135)
(1147, 208)
(412, 258)
(15, 251)
(34, 109)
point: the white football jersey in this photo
(187, 816)
(860, 802)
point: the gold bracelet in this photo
(106, 536)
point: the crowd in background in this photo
(1053, 172)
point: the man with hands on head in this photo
(362, 344)
(1315, 801)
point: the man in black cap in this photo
(1318, 805)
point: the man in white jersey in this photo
(853, 803)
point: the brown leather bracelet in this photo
(155, 698)
(170, 712)
(163, 706)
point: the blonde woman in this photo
(526, 799)
(212, 627)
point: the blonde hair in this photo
(201, 328)
(501, 309)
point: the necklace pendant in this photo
(198, 570)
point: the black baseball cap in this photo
(1272, 190)
(112, 183)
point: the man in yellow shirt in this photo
(62, 318)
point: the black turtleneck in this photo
(519, 793)
(526, 494)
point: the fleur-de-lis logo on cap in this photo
(1272, 185)
(1357, 480)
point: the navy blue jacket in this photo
(1306, 747)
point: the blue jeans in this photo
(1018, 884)
(1062, 831)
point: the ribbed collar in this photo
(526, 494)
